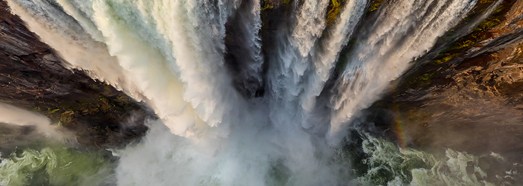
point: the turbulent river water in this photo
(234, 109)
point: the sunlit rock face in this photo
(32, 76)
(468, 96)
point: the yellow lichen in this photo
(334, 11)
(464, 44)
(66, 117)
(375, 5)
(267, 6)
(53, 111)
(446, 58)
(486, 1)
(270, 4)
(104, 104)
(488, 24)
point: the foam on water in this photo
(390, 165)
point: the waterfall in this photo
(243, 49)
(64, 34)
(325, 56)
(230, 112)
(407, 30)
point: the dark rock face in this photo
(32, 77)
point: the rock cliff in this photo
(32, 77)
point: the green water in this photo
(383, 163)
(55, 166)
(387, 164)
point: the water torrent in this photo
(232, 112)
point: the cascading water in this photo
(408, 30)
(228, 114)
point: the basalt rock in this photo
(32, 77)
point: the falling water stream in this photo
(232, 114)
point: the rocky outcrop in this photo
(479, 110)
(32, 77)
(468, 96)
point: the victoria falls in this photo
(261, 92)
